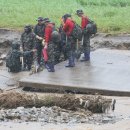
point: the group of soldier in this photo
(46, 42)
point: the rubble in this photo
(1, 63)
(94, 104)
(3, 57)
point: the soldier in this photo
(27, 44)
(48, 51)
(86, 35)
(13, 58)
(13, 61)
(63, 42)
(39, 32)
(55, 38)
(68, 26)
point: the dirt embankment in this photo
(6, 39)
(100, 40)
(121, 41)
(52, 109)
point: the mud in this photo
(6, 39)
(100, 40)
(120, 41)
(92, 104)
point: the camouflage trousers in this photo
(70, 47)
(50, 53)
(86, 44)
(57, 53)
(28, 60)
(38, 46)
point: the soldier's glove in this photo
(39, 38)
(43, 42)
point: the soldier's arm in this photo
(33, 40)
(35, 29)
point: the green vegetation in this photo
(110, 15)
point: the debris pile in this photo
(94, 104)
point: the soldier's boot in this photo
(86, 57)
(52, 69)
(47, 66)
(71, 62)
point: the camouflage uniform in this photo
(68, 28)
(86, 43)
(71, 48)
(13, 58)
(63, 43)
(28, 41)
(51, 53)
(57, 52)
(39, 30)
(86, 35)
(16, 59)
(55, 39)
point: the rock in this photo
(3, 57)
(1, 118)
(1, 91)
(11, 82)
(1, 63)
(20, 108)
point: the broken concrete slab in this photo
(107, 73)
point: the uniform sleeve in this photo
(34, 39)
(35, 30)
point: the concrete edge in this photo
(74, 89)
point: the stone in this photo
(1, 63)
(3, 57)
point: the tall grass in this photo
(110, 15)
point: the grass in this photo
(111, 16)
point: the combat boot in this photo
(51, 68)
(47, 66)
(86, 57)
(71, 62)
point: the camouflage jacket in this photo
(39, 30)
(28, 41)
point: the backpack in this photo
(9, 60)
(55, 36)
(77, 32)
(91, 27)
